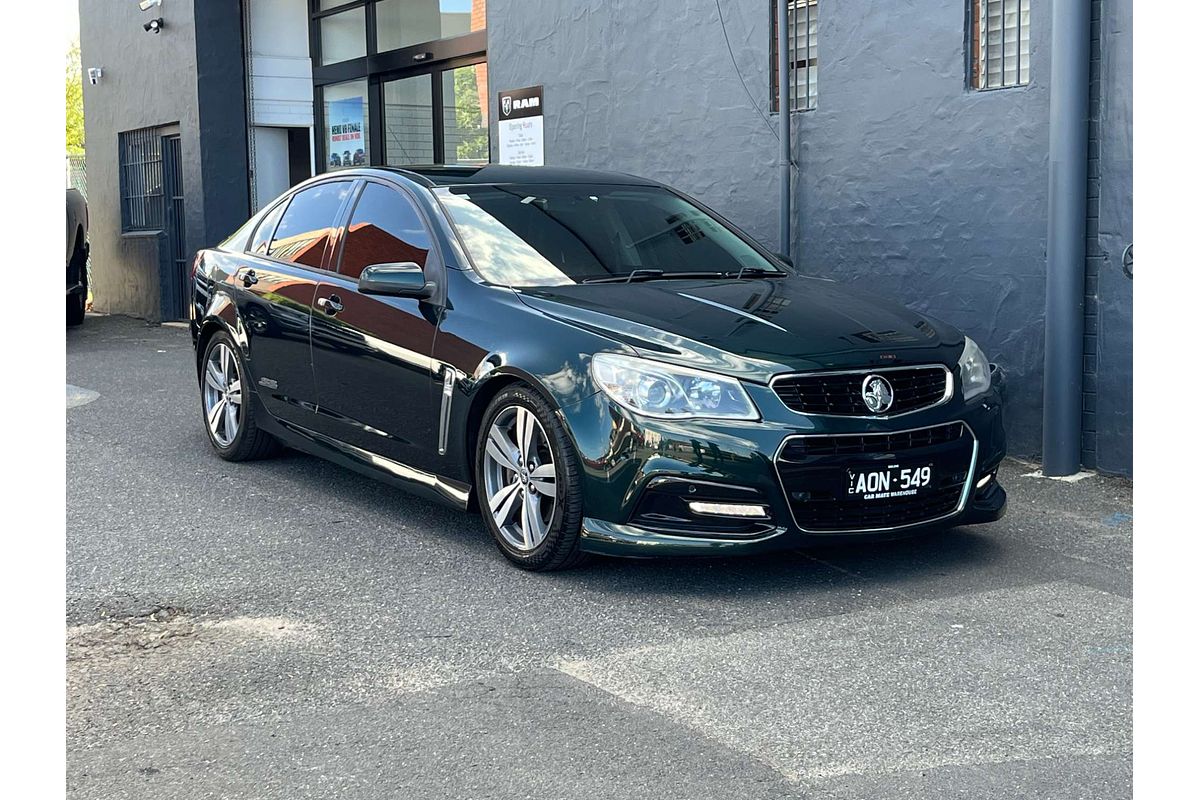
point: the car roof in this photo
(447, 175)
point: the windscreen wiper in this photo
(654, 275)
(639, 275)
(753, 272)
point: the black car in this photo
(597, 362)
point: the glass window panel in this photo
(346, 111)
(400, 23)
(343, 36)
(548, 235)
(308, 224)
(385, 228)
(465, 109)
(802, 53)
(266, 229)
(408, 121)
(1002, 56)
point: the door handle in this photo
(249, 278)
(330, 305)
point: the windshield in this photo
(550, 235)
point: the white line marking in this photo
(78, 396)
(1076, 478)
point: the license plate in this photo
(888, 482)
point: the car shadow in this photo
(874, 565)
(953, 555)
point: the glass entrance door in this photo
(399, 82)
(465, 114)
(408, 121)
(437, 117)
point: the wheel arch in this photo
(209, 328)
(480, 396)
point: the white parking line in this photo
(78, 396)
(1026, 673)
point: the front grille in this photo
(814, 471)
(853, 444)
(840, 393)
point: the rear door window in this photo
(307, 226)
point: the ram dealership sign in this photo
(520, 127)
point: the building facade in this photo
(919, 140)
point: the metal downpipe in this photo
(1062, 406)
(785, 131)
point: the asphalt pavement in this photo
(289, 629)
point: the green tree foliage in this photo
(74, 101)
(472, 143)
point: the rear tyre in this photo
(528, 482)
(226, 404)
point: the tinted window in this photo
(567, 233)
(262, 235)
(385, 228)
(308, 224)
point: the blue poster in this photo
(345, 123)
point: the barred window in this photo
(802, 54)
(999, 43)
(141, 180)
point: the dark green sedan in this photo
(593, 361)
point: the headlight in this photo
(974, 369)
(661, 390)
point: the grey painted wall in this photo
(909, 184)
(148, 81)
(221, 98)
(157, 80)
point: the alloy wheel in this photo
(222, 394)
(519, 478)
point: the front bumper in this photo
(628, 463)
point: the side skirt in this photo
(373, 465)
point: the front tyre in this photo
(228, 412)
(528, 482)
(77, 301)
(76, 308)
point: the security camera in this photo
(94, 74)
(146, 5)
(154, 25)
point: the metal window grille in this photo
(1000, 43)
(802, 54)
(141, 180)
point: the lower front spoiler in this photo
(618, 539)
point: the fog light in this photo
(985, 480)
(728, 509)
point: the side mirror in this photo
(784, 259)
(396, 280)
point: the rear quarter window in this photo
(260, 243)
